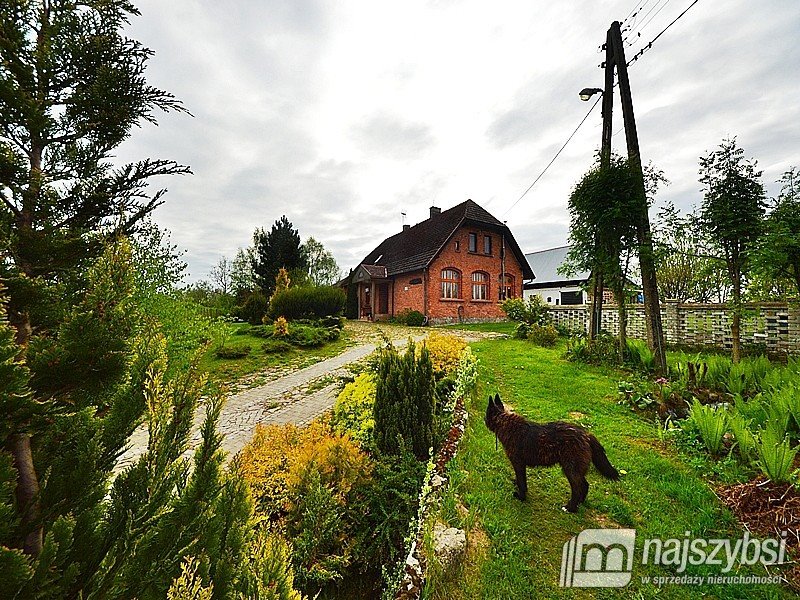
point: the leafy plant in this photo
(639, 356)
(712, 424)
(543, 335)
(775, 456)
(412, 318)
(636, 394)
(521, 331)
(535, 310)
(743, 436)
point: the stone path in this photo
(287, 399)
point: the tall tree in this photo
(242, 278)
(731, 216)
(687, 271)
(322, 267)
(277, 249)
(71, 88)
(220, 276)
(603, 209)
(778, 252)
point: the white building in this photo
(553, 287)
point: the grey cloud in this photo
(392, 136)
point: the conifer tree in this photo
(277, 249)
(404, 402)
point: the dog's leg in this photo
(522, 482)
(577, 489)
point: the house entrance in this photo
(383, 299)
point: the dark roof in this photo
(414, 248)
(545, 264)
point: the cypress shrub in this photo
(404, 402)
(351, 306)
(307, 303)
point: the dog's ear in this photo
(497, 401)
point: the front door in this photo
(383, 299)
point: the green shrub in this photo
(543, 335)
(254, 308)
(230, 352)
(307, 303)
(353, 410)
(535, 310)
(600, 351)
(306, 337)
(404, 402)
(639, 356)
(261, 331)
(712, 423)
(522, 330)
(276, 347)
(636, 394)
(412, 318)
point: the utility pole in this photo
(615, 57)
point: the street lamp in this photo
(587, 93)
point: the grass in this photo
(515, 548)
(230, 370)
(506, 327)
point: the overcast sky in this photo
(341, 115)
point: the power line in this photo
(651, 42)
(560, 150)
(631, 61)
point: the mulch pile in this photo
(768, 509)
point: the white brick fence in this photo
(773, 326)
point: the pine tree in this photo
(279, 248)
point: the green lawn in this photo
(506, 327)
(514, 548)
(223, 370)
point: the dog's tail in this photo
(600, 460)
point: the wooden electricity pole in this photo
(615, 57)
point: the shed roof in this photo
(545, 264)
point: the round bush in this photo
(307, 303)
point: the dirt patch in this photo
(576, 415)
(768, 509)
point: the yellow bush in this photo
(280, 458)
(353, 410)
(445, 351)
(281, 327)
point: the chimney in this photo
(406, 227)
(435, 210)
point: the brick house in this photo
(455, 266)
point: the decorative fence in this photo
(773, 327)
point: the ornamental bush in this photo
(543, 335)
(445, 351)
(404, 402)
(353, 410)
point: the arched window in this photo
(506, 287)
(451, 281)
(480, 285)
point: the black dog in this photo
(528, 444)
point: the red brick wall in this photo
(407, 295)
(467, 262)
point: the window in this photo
(572, 297)
(450, 283)
(487, 244)
(480, 285)
(506, 287)
(473, 242)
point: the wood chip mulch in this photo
(768, 509)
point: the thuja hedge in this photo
(307, 303)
